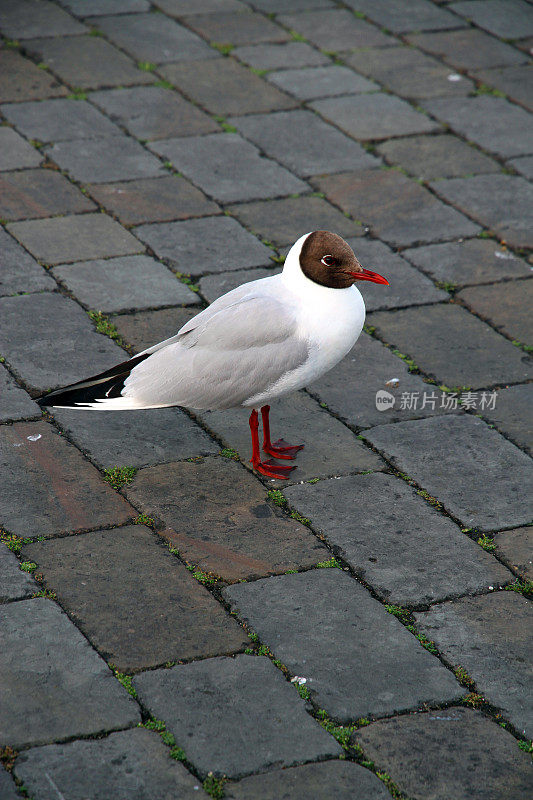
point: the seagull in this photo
(262, 340)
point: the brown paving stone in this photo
(398, 210)
(224, 86)
(431, 157)
(507, 306)
(26, 81)
(240, 28)
(512, 414)
(145, 328)
(453, 346)
(145, 611)
(516, 548)
(49, 488)
(152, 200)
(37, 193)
(468, 48)
(217, 517)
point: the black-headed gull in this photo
(254, 344)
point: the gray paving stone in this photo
(232, 531)
(152, 112)
(237, 28)
(7, 786)
(358, 659)
(34, 193)
(429, 334)
(403, 562)
(110, 158)
(335, 30)
(410, 73)
(135, 438)
(201, 245)
(14, 583)
(125, 613)
(330, 448)
(228, 168)
(75, 238)
(213, 707)
(213, 286)
(272, 6)
(50, 488)
(398, 210)
(419, 15)
(373, 116)
(308, 84)
(509, 19)
(280, 56)
(468, 48)
(512, 414)
(506, 306)
(430, 157)
(303, 143)
(50, 341)
(523, 165)
(26, 80)
(482, 759)
(224, 86)
(332, 780)
(467, 262)
(64, 688)
(153, 199)
(87, 62)
(503, 203)
(145, 328)
(492, 122)
(16, 403)
(119, 284)
(58, 120)
(181, 8)
(15, 152)
(18, 270)
(284, 221)
(516, 548)
(86, 8)
(354, 399)
(459, 460)
(488, 637)
(129, 765)
(25, 19)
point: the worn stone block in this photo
(213, 286)
(459, 460)
(15, 152)
(303, 143)
(233, 532)
(125, 765)
(420, 15)
(212, 707)
(512, 414)
(488, 636)
(145, 328)
(16, 403)
(482, 760)
(59, 120)
(398, 210)
(512, 81)
(468, 48)
(430, 157)
(19, 272)
(182, 8)
(272, 6)
(86, 8)
(506, 306)
(335, 30)
(509, 19)
(308, 84)
(516, 548)
(75, 238)
(7, 786)
(358, 659)
(26, 80)
(237, 28)
(25, 19)
(523, 165)
(481, 357)
(126, 612)
(107, 159)
(201, 245)
(14, 583)
(280, 56)
(35, 193)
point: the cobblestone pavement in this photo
(173, 626)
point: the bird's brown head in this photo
(327, 259)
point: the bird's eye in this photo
(328, 261)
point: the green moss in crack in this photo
(342, 733)
(214, 787)
(28, 566)
(486, 543)
(331, 563)
(146, 66)
(126, 681)
(118, 477)
(277, 497)
(227, 452)
(104, 326)
(143, 519)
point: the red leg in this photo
(267, 468)
(280, 448)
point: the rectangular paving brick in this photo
(125, 613)
(503, 203)
(16, 403)
(358, 659)
(201, 245)
(213, 286)
(398, 210)
(19, 272)
(509, 19)
(182, 8)
(237, 28)
(64, 688)
(303, 143)
(116, 766)
(430, 157)
(280, 56)
(50, 488)
(512, 414)
(75, 238)
(35, 193)
(468, 48)
(217, 517)
(506, 306)
(84, 8)
(488, 636)
(15, 152)
(59, 120)
(25, 19)
(8, 786)
(482, 759)
(335, 30)
(14, 583)
(459, 460)
(395, 541)
(223, 86)
(523, 165)
(113, 158)
(329, 81)
(26, 80)
(430, 335)
(145, 328)
(418, 15)
(225, 725)
(515, 547)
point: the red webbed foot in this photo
(281, 449)
(272, 470)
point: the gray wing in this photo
(228, 353)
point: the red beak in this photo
(368, 275)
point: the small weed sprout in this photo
(214, 787)
(119, 476)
